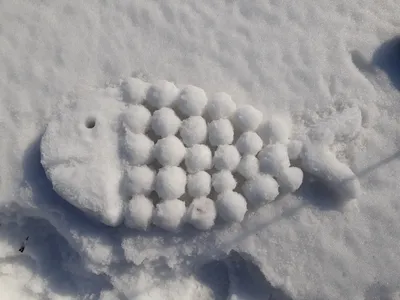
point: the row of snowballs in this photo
(264, 168)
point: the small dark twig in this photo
(22, 248)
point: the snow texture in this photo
(165, 122)
(220, 132)
(169, 151)
(260, 190)
(247, 118)
(198, 158)
(170, 182)
(223, 181)
(162, 94)
(139, 148)
(139, 212)
(273, 159)
(140, 180)
(220, 106)
(249, 166)
(169, 214)
(199, 184)
(192, 101)
(226, 157)
(62, 64)
(193, 131)
(231, 206)
(136, 118)
(249, 143)
(202, 213)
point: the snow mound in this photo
(273, 159)
(260, 190)
(134, 90)
(202, 213)
(169, 151)
(193, 131)
(231, 206)
(136, 118)
(140, 180)
(319, 161)
(170, 182)
(162, 94)
(165, 122)
(139, 212)
(249, 143)
(192, 101)
(226, 157)
(249, 166)
(139, 148)
(220, 106)
(199, 184)
(247, 118)
(169, 214)
(220, 132)
(223, 181)
(198, 158)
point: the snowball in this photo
(260, 190)
(199, 184)
(273, 159)
(202, 213)
(139, 212)
(249, 143)
(220, 132)
(165, 122)
(231, 206)
(220, 106)
(247, 118)
(223, 181)
(277, 130)
(294, 149)
(170, 182)
(290, 179)
(134, 90)
(169, 214)
(162, 93)
(323, 164)
(140, 180)
(169, 151)
(192, 101)
(136, 118)
(198, 158)
(226, 157)
(139, 148)
(248, 167)
(193, 131)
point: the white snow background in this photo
(297, 58)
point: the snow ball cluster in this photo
(179, 144)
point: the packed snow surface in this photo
(79, 80)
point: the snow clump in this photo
(193, 131)
(170, 182)
(202, 213)
(199, 184)
(231, 206)
(169, 214)
(165, 122)
(220, 106)
(198, 158)
(169, 151)
(139, 212)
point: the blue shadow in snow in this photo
(387, 58)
